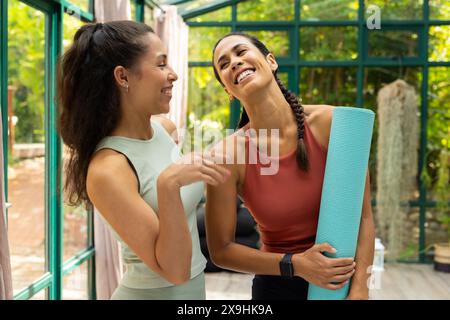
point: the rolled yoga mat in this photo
(343, 188)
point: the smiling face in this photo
(151, 80)
(242, 67)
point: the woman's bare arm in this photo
(365, 249)
(164, 243)
(220, 220)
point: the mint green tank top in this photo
(148, 159)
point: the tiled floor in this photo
(397, 282)
(26, 234)
(26, 223)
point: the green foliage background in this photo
(208, 105)
(337, 85)
(26, 65)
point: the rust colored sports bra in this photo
(286, 205)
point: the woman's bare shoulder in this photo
(317, 111)
(233, 148)
(109, 167)
(170, 127)
(231, 145)
(319, 118)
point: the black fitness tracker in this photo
(286, 267)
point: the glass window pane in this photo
(397, 10)
(148, 16)
(263, 10)
(41, 295)
(393, 44)
(197, 4)
(374, 79)
(82, 4)
(328, 43)
(333, 86)
(436, 230)
(133, 10)
(208, 103)
(202, 41)
(26, 143)
(438, 134)
(276, 41)
(284, 77)
(75, 284)
(439, 49)
(439, 9)
(221, 15)
(70, 26)
(75, 235)
(313, 10)
(410, 248)
(436, 175)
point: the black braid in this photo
(297, 109)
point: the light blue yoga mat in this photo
(343, 188)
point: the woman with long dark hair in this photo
(284, 204)
(112, 82)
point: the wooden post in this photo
(397, 152)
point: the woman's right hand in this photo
(328, 273)
(194, 167)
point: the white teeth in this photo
(167, 91)
(244, 74)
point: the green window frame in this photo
(294, 64)
(56, 10)
(57, 269)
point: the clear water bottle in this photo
(378, 261)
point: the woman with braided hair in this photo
(285, 204)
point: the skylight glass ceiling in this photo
(191, 6)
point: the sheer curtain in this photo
(108, 265)
(6, 291)
(174, 32)
(110, 10)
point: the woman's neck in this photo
(132, 124)
(269, 110)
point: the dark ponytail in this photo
(88, 98)
(291, 98)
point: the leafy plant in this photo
(443, 190)
(26, 69)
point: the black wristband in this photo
(286, 267)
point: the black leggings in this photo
(279, 288)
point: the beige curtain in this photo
(110, 10)
(108, 265)
(172, 30)
(6, 291)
